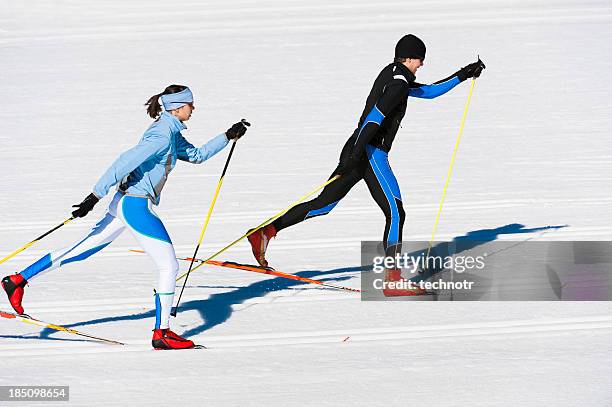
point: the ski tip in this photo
(8, 315)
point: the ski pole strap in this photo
(452, 163)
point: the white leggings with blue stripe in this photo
(136, 215)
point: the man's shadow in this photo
(218, 308)
(469, 241)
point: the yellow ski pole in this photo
(210, 209)
(22, 248)
(450, 168)
(29, 320)
(264, 223)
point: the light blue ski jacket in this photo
(142, 170)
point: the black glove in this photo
(237, 130)
(84, 207)
(472, 70)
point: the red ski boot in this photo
(259, 243)
(13, 285)
(395, 276)
(166, 339)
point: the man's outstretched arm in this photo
(442, 86)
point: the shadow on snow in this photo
(217, 308)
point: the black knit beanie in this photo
(410, 46)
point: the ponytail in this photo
(153, 106)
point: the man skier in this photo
(365, 154)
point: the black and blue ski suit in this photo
(365, 154)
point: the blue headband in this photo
(175, 100)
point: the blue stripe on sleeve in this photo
(434, 90)
(375, 116)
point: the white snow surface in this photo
(535, 151)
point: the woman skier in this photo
(141, 173)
